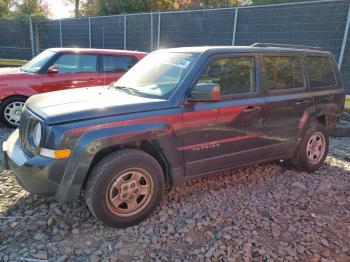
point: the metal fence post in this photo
(61, 38)
(151, 31)
(31, 31)
(234, 27)
(103, 37)
(89, 32)
(345, 39)
(125, 32)
(159, 19)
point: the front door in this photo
(74, 70)
(287, 102)
(233, 139)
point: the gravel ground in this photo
(266, 212)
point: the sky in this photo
(60, 9)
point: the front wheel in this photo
(11, 110)
(124, 188)
(312, 150)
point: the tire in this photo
(118, 184)
(10, 110)
(310, 154)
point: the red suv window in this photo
(76, 63)
(117, 64)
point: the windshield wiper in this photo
(126, 88)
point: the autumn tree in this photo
(164, 5)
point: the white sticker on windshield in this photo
(175, 61)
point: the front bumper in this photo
(37, 174)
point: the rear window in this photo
(320, 71)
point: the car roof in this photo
(243, 49)
(97, 51)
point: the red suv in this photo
(57, 69)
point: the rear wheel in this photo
(11, 110)
(124, 188)
(312, 150)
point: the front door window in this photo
(76, 63)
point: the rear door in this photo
(74, 70)
(322, 78)
(114, 66)
(287, 102)
(233, 138)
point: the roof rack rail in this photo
(287, 46)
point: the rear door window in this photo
(320, 71)
(282, 72)
(118, 64)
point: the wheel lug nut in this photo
(136, 190)
(125, 188)
(132, 185)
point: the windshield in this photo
(34, 65)
(157, 75)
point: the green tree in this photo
(5, 8)
(207, 3)
(107, 7)
(37, 8)
(77, 6)
(264, 2)
(88, 8)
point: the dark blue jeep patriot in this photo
(178, 114)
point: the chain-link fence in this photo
(322, 23)
(15, 39)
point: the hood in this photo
(88, 103)
(10, 71)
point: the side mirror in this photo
(52, 70)
(206, 92)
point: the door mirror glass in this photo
(206, 92)
(52, 70)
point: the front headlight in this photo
(36, 135)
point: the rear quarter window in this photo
(320, 71)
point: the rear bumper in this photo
(37, 174)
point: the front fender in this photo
(16, 91)
(93, 141)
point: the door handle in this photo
(251, 109)
(302, 101)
